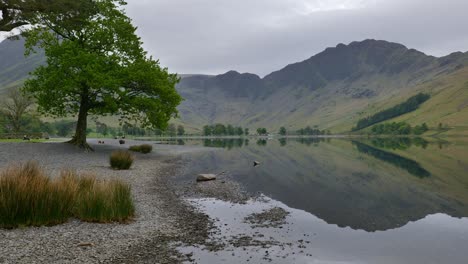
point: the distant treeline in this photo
(408, 106)
(312, 131)
(400, 128)
(224, 130)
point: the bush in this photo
(28, 197)
(121, 160)
(145, 148)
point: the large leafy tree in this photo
(97, 66)
(17, 13)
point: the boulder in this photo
(206, 177)
(256, 163)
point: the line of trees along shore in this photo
(400, 128)
(224, 130)
(408, 106)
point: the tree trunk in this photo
(79, 139)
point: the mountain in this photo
(14, 66)
(331, 90)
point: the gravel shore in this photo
(163, 218)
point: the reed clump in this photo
(121, 160)
(145, 148)
(29, 197)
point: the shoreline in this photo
(164, 218)
(157, 206)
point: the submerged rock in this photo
(206, 177)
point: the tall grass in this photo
(145, 148)
(28, 197)
(121, 160)
(101, 201)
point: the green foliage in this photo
(262, 131)
(145, 148)
(180, 130)
(64, 128)
(310, 131)
(102, 128)
(97, 66)
(282, 131)
(408, 106)
(222, 130)
(400, 128)
(419, 130)
(28, 197)
(16, 13)
(121, 160)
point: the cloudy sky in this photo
(260, 36)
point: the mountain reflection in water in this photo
(366, 184)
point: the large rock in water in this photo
(206, 177)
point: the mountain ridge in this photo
(331, 89)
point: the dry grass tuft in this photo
(121, 160)
(28, 197)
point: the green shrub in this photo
(28, 197)
(145, 148)
(136, 148)
(121, 160)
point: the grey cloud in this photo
(260, 36)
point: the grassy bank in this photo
(29, 197)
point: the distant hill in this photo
(14, 66)
(331, 90)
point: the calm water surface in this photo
(350, 201)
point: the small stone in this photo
(206, 177)
(85, 244)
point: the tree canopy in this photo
(96, 65)
(17, 13)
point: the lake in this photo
(389, 200)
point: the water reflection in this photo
(399, 143)
(409, 165)
(224, 143)
(368, 185)
(261, 142)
